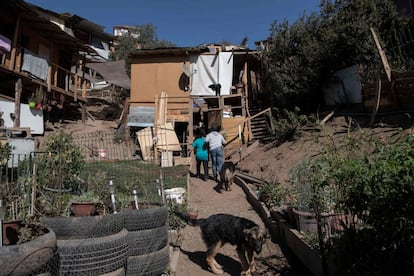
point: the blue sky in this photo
(188, 23)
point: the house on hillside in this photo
(103, 77)
(47, 60)
(208, 86)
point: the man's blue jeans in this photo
(216, 160)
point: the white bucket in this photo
(175, 194)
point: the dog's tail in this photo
(188, 219)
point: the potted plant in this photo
(32, 248)
(312, 194)
(16, 206)
(84, 204)
(272, 194)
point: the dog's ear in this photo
(254, 232)
(247, 233)
(265, 234)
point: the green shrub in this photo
(272, 194)
(373, 182)
(286, 124)
(60, 163)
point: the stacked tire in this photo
(28, 258)
(93, 256)
(148, 241)
(132, 242)
(92, 245)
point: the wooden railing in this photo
(241, 128)
(68, 81)
(58, 78)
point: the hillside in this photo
(273, 163)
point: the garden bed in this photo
(283, 232)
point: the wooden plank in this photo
(382, 54)
(378, 97)
(162, 109)
(214, 118)
(167, 138)
(145, 142)
(124, 114)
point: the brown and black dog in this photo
(226, 175)
(220, 229)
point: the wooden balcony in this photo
(51, 76)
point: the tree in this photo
(306, 53)
(139, 37)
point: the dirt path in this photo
(204, 198)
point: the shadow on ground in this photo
(230, 265)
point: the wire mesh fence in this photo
(106, 145)
(115, 238)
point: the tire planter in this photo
(152, 264)
(84, 227)
(71, 227)
(145, 218)
(108, 225)
(118, 272)
(147, 241)
(25, 258)
(93, 256)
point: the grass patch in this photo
(130, 175)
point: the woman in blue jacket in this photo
(201, 153)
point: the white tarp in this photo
(346, 88)
(211, 69)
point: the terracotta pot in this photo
(10, 235)
(82, 209)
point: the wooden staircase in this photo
(261, 126)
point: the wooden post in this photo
(33, 182)
(245, 88)
(190, 124)
(387, 68)
(378, 97)
(383, 56)
(18, 93)
(49, 78)
(14, 44)
(156, 128)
